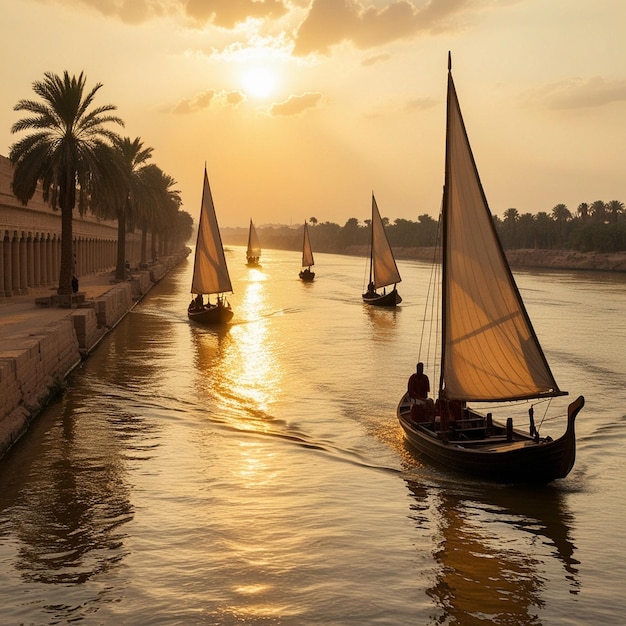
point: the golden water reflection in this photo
(497, 553)
(255, 370)
(238, 366)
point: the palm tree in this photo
(509, 228)
(583, 211)
(511, 215)
(64, 152)
(131, 157)
(598, 210)
(615, 209)
(561, 213)
(156, 205)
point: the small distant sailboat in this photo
(383, 268)
(210, 273)
(489, 350)
(253, 252)
(307, 257)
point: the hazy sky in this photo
(302, 108)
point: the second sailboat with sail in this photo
(307, 257)
(210, 272)
(383, 269)
(253, 251)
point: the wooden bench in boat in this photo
(493, 444)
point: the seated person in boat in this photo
(371, 290)
(419, 384)
(197, 303)
(422, 407)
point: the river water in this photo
(257, 475)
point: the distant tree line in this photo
(599, 227)
(330, 237)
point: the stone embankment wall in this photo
(37, 366)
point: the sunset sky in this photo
(302, 108)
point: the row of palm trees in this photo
(82, 163)
(598, 226)
(597, 211)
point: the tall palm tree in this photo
(64, 152)
(615, 209)
(598, 210)
(157, 204)
(561, 213)
(118, 195)
(509, 228)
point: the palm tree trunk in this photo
(120, 268)
(144, 240)
(66, 270)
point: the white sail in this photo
(490, 350)
(384, 269)
(254, 246)
(210, 273)
(307, 253)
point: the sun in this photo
(259, 81)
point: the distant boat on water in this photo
(253, 251)
(383, 269)
(210, 272)
(307, 257)
(489, 349)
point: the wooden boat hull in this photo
(521, 460)
(211, 314)
(389, 299)
(307, 277)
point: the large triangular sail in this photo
(490, 351)
(384, 270)
(307, 252)
(254, 245)
(210, 273)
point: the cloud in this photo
(131, 12)
(578, 93)
(234, 98)
(420, 104)
(323, 23)
(375, 59)
(222, 13)
(393, 106)
(294, 105)
(206, 99)
(229, 13)
(330, 22)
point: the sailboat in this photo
(210, 272)
(383, 268)
(489, 350)
(307, 257)
(253, 252)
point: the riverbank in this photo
(41, 343)
(547, 259)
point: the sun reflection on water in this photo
(252, 365)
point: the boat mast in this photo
(371, 243)
(444, 236)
